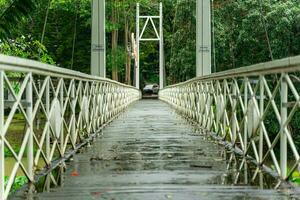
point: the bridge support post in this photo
(137, 67)
(98, 52)
(161, 49)
(203, 38)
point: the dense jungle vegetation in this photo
(245, 32)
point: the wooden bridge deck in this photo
(149, 152)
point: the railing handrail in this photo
(11, 63)
(281, 65)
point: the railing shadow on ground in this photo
(48, 113)
(254, 111)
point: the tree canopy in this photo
(245, 32)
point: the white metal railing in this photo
(58, 110)
(254, 109)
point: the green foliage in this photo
(26, 47)
(237, 42)
(18, 182)
(295, 178)
(119, 61)
(181, 40)
(11, 12)
(9, 154)
(5, 180)
(240, 35)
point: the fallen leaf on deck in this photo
(75, 173)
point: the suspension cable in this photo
(75, 34)
(45, 22)
(173, 31)
(44, 27)
(265, 29)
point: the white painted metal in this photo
(60, 90)
(249, 95)
(149, 39)
(61, 135)
(261, 110)
(203, 38)
(283, 136)
(48, 112)
(98, 52)
(153, 17)
(48, 136)
(246, 109)
(29, 110)
(73, 107)
(137, 67)
(55, 118)
(161, 48)
(159, 37)
(85, 108)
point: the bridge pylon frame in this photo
(159, 37)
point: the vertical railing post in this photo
(224, 109)
(62, 116)
(62, 137)
(94, 106)
(261, 110)
(48, 112)
(233, 120)
(206, 105)
(30, 156)
(210, 111)
(80, 100)
(246, 107)
(48, 149)
(261, 133)
(283, 137)
(73, 100)
(2, 156)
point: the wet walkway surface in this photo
(150, 152)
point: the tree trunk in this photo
(128, 54)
